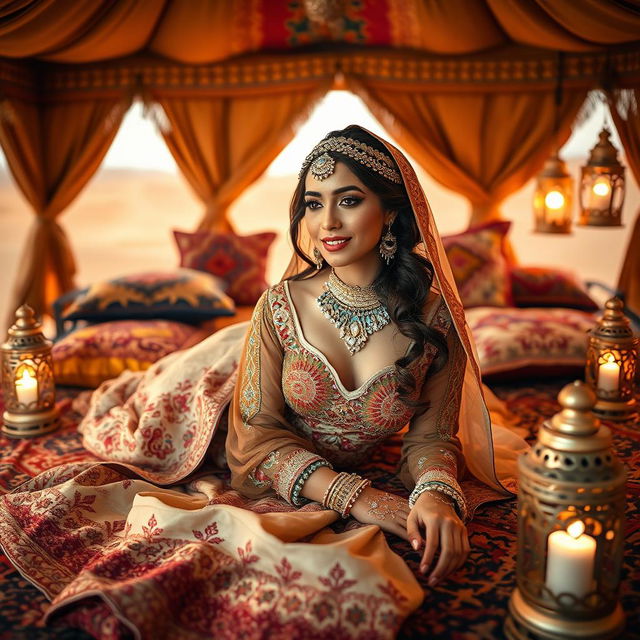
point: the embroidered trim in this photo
(293, 465)
(438, 479)
(251, 395)
(448, 415)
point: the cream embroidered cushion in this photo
(530, 342)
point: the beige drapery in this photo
(52, 150)
(483, 145)
(625, 109)
(222, 143)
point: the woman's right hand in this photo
(387, 510)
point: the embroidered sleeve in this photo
(432, 457)
(264, 454)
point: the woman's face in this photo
(344, 219)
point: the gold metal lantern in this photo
(603, 186)
(553, 198)
(571, 504)
(27, 379)
(612, 360)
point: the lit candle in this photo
(555, 203)
(609, 374)
(570, 559)
(27, 388)
(600, 194)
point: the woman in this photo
(352, 204)
(365, 335)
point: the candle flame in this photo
(601, 188)
(26, 376)
(576, 529)
(609, 358)
(554, 200)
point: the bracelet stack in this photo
(343, 491)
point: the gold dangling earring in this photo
(317, 258)
(388, 246)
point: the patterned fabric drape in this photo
(223, 143)
(483, 145)
(52, 150)
(625, 109)
(204, 31)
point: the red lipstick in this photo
(335, 243)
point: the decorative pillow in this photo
(530, 342)
(240, 260)
(91, 355)
(479, 266)
(183, 294)
(549, 287)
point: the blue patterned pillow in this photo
(185, 295)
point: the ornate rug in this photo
(471, 605)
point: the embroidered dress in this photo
(295, 414)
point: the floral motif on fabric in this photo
(215, 577)
(251, 395)
(383, 406)
(308, 385)
(259, 476)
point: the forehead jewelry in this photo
(355, 311)
(323, 165)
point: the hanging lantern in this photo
(571, 504)
(27, 379)
(612, 360)
(603, 187)
(553, 198)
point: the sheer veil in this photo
(490, 450)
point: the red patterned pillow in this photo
(516, 342)
(89, 356)
(479, 266)
(549, 287)
(240, 260)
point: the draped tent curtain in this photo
(222, 144)
(625, 110)
(205, 31)
(484, 146)
(52, 150)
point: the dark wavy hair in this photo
(405, 283)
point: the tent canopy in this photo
(478, 91)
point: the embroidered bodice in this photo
(297, 415)
(343, 425)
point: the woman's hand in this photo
(387, 510)
(435, 513)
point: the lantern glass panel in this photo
(552, 204)
(601, 196)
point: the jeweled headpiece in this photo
(323, 165)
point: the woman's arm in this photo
(263, 452)
(432, 462)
